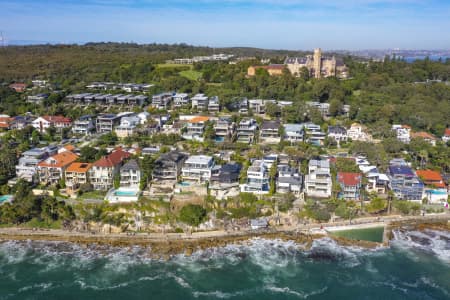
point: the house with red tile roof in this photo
(430, 177)
(431, 139)
(106, 168)
(273, 70)
(435, 187)
(42, 123)
(19, 87)
(52, 169)
(446, 136)
(350, 185)
(77, 174)
(6, 123)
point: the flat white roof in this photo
(198, 159)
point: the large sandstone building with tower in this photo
(317, 65)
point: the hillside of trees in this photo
(380, 93)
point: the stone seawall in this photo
(166, 245)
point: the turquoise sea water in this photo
(417, 266)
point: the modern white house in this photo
(257, 178)
(84, 125)
(198, 168)
(294, 133)
(289, 180)
(213, 105)
(161, 101)
(337, 133)
(43, 123)
(130, 175)
(195, 128)
(357, 132)
(200, 102)
(27, 167)
(403, 133)
(270, 132)
(180, 100)
(314, 134)
(224, 129)
(318, 182)
(246, 130)
(127, 126)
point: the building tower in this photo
(333, 71)
(317, 62)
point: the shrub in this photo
(193, 214)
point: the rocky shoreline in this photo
(165, 246)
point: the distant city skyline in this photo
(288, 24)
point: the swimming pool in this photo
(438, 192)
(125, 193)
(184, 183)
(219, 139)
(5, 198)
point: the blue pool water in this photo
(184, 183)
(433, 192)
(4, 198)
(124, 193)
(219, 139)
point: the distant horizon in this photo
(265, 24)
(55, 43)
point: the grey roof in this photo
(320, 163)
(130, 165)
(337, 130)
(173, 156)
(270, 125)
(290, 180)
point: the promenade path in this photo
(316, 228)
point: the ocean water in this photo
(416, 266)
(374, 234)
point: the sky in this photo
(274, 24)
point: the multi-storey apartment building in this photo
(52, 169)
(200, 102)
(294, 133)
(105, 123)
(27, 167)
(130, 175)
(180, 100)
(270, 132)
(84, 125)
(106, 168)
(246, 130)
(404, 182)
(168, 166)
(318, 182)
(198, 168)
(77, 174)
(257, 178)
(350, 185)
(162, 101)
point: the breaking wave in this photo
(433, 242)
(270, 269)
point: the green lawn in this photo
(191, 74)
(173, 66)
(92, 195)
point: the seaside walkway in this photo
(316, 228)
